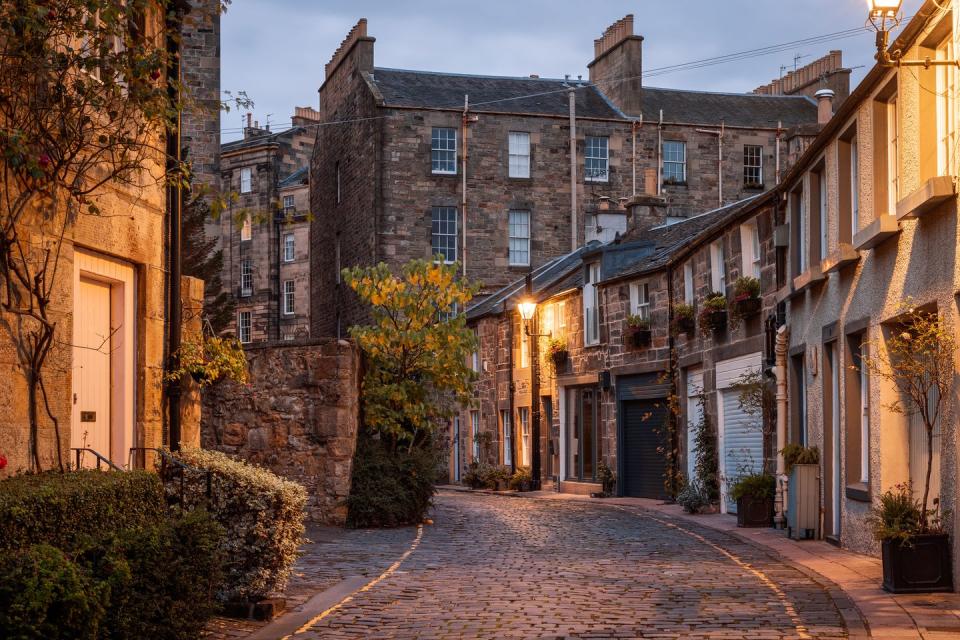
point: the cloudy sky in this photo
(275, 50)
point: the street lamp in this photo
(527, 307)
(885, 16)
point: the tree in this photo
(83, 106)
(201, 259)
(918, 359)
(416, 348)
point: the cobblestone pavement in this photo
(496, 567)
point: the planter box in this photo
(559, 358)
(684, 325)
(715, 320)
(640, 337)
(754, 512)
(748, 307)
(803, 502)
(923, 566)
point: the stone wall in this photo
(298, 417)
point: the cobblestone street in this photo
(493, 567)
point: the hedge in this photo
(69, 510)
(262, 514)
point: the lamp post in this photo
(528, 313)
(885, 16)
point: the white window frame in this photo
(289, 297)
(640, 299)
(750, 249)
(246, 179)
(824, 218)
(854, 187)
(596, 159)
(674, 166)
(523, 418)
(289, 204)
(474, 432)
(688, 282)
(246, 229)
(591, 306)
(289, 247)
(518, 151)
(753, 164)
(946, 109)
(893, 155)
(441, 219)
(507, 439)
(443, 151)
(864, 415)
(519, 238)
(244, 326)
(246, 278)
(560, 318)
(718, 267)
(802, 247)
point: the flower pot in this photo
(754, 512)
(641, 337)
(684, 325)
(748, 307)
(919, 566)
(716, 320)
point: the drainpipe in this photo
(279, 277)
(573, 167)
(463, 184)
(511, 388)
(660, 154)
(780, 373)
(633, 146)
(174, 213)
(534, 338)
(719, 133)
(779, 134)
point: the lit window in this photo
(893, 156)
(524, 347)
(246, 180)
(507, 439)
(591, 306)
(519, 152)
(246, 277)
(752, 166)
(243, 326)
(474, 433)
(597, 159)
(946, 109)
(246, 231)
(674, 161)
(519, 238)
(443, 150)
(288, 297)
(523, 417)
(688, 282)
(718, 267)
(750, 249)
(640, 300)
(561, 318)
(288, 206)
(444, 233)
(289, 247)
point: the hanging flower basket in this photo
(638, 332)
(683, 319)
(713, 315)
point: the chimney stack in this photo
(824, 105)
(618, 64)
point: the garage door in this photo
(643, 464)
(741, 434)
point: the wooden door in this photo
(92, 348)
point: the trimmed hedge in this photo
(262, 514)
(70, 510)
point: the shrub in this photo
(692, 498)
(521, 475)
(497, 477)
(607, 478)
(897, 515)
(755, 485)
(638, 323)
(798, 454)
(746, 288)
(474, 476)
(261, 513)
(70, 510)
(391, 488)
(43, 594)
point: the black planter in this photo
(754, 512)
(922, 566)
(715, 320)
(559, 358)
(748, 307)
(684, 325)
(641, 337)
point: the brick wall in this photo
(298, 417)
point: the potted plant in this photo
(608, 481)
(498, 478)
(746, 297)
(713, 315)
(521, 479)
(683, 318)
(919, 361)
(914, 547)
(754, 494)
(557, 351)
(638, 331)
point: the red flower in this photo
(3, 462)
(44, 160)
(155, 74)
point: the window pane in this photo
(444, 233)
(674, 161)
(753, 165)
(443, 150)
(596, 159)
(519, 223)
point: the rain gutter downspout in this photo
(660, 154)
(463, 184)
(780, 373)
(779, 134)
(573, 167)
(633, 146)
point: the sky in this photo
(275, 50)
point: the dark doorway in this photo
(643, 463)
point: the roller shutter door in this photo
(642, 464)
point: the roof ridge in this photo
(481, 75)
(726, 93)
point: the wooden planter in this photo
(754, 512)
(748, 307)
(920, 566)
(640, 338)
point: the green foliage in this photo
(416, 348)
(209, 358)
(638, 323)
(754, 485)
(261, 513)
(72, 510)
(202, 259)
(745, 288)
(794, 453)
(520, 478)
(692, 498)
(474, 477)
(391, 487)
(44, 594)
(896, 515)
(684, 311)
(607, 478)
(705, 468)
(715, 301)
(481, 475)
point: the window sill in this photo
(520, 179)
(928, 197)
(753, 187)
(808, 278)
(876, 233)
(593, 345)
(858, 491)
(597, 180)
(844, 256)
(675, 184)
(444, 174)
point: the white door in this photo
(740, 433)
(694, 417)
(836, 497)
(93, 343)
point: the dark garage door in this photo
(642, 464)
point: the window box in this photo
(670, 182)
(715, 320)
(683, 319)
(876, 233)
(928, 197)
(844, 256)
(638, 337)
(747, 307)
(920, 566)
(813, 275)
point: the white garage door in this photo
(741, 434)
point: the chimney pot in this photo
(824, 105)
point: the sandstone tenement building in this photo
(480, 169)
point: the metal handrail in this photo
(169, 461)
(101, 459)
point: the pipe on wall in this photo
(780, 373)
(573, 168)
(463, 184)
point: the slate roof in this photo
(402, 88)
(258, 140)
(733, 109)
(297, 177)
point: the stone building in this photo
(872, 211)
(480, 169)
(265, 230)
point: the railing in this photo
(172, 469)
(101, 460)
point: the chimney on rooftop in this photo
(618, 64)
(824, 105)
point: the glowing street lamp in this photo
(527, 307)
(885, 16)
(884, 8)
